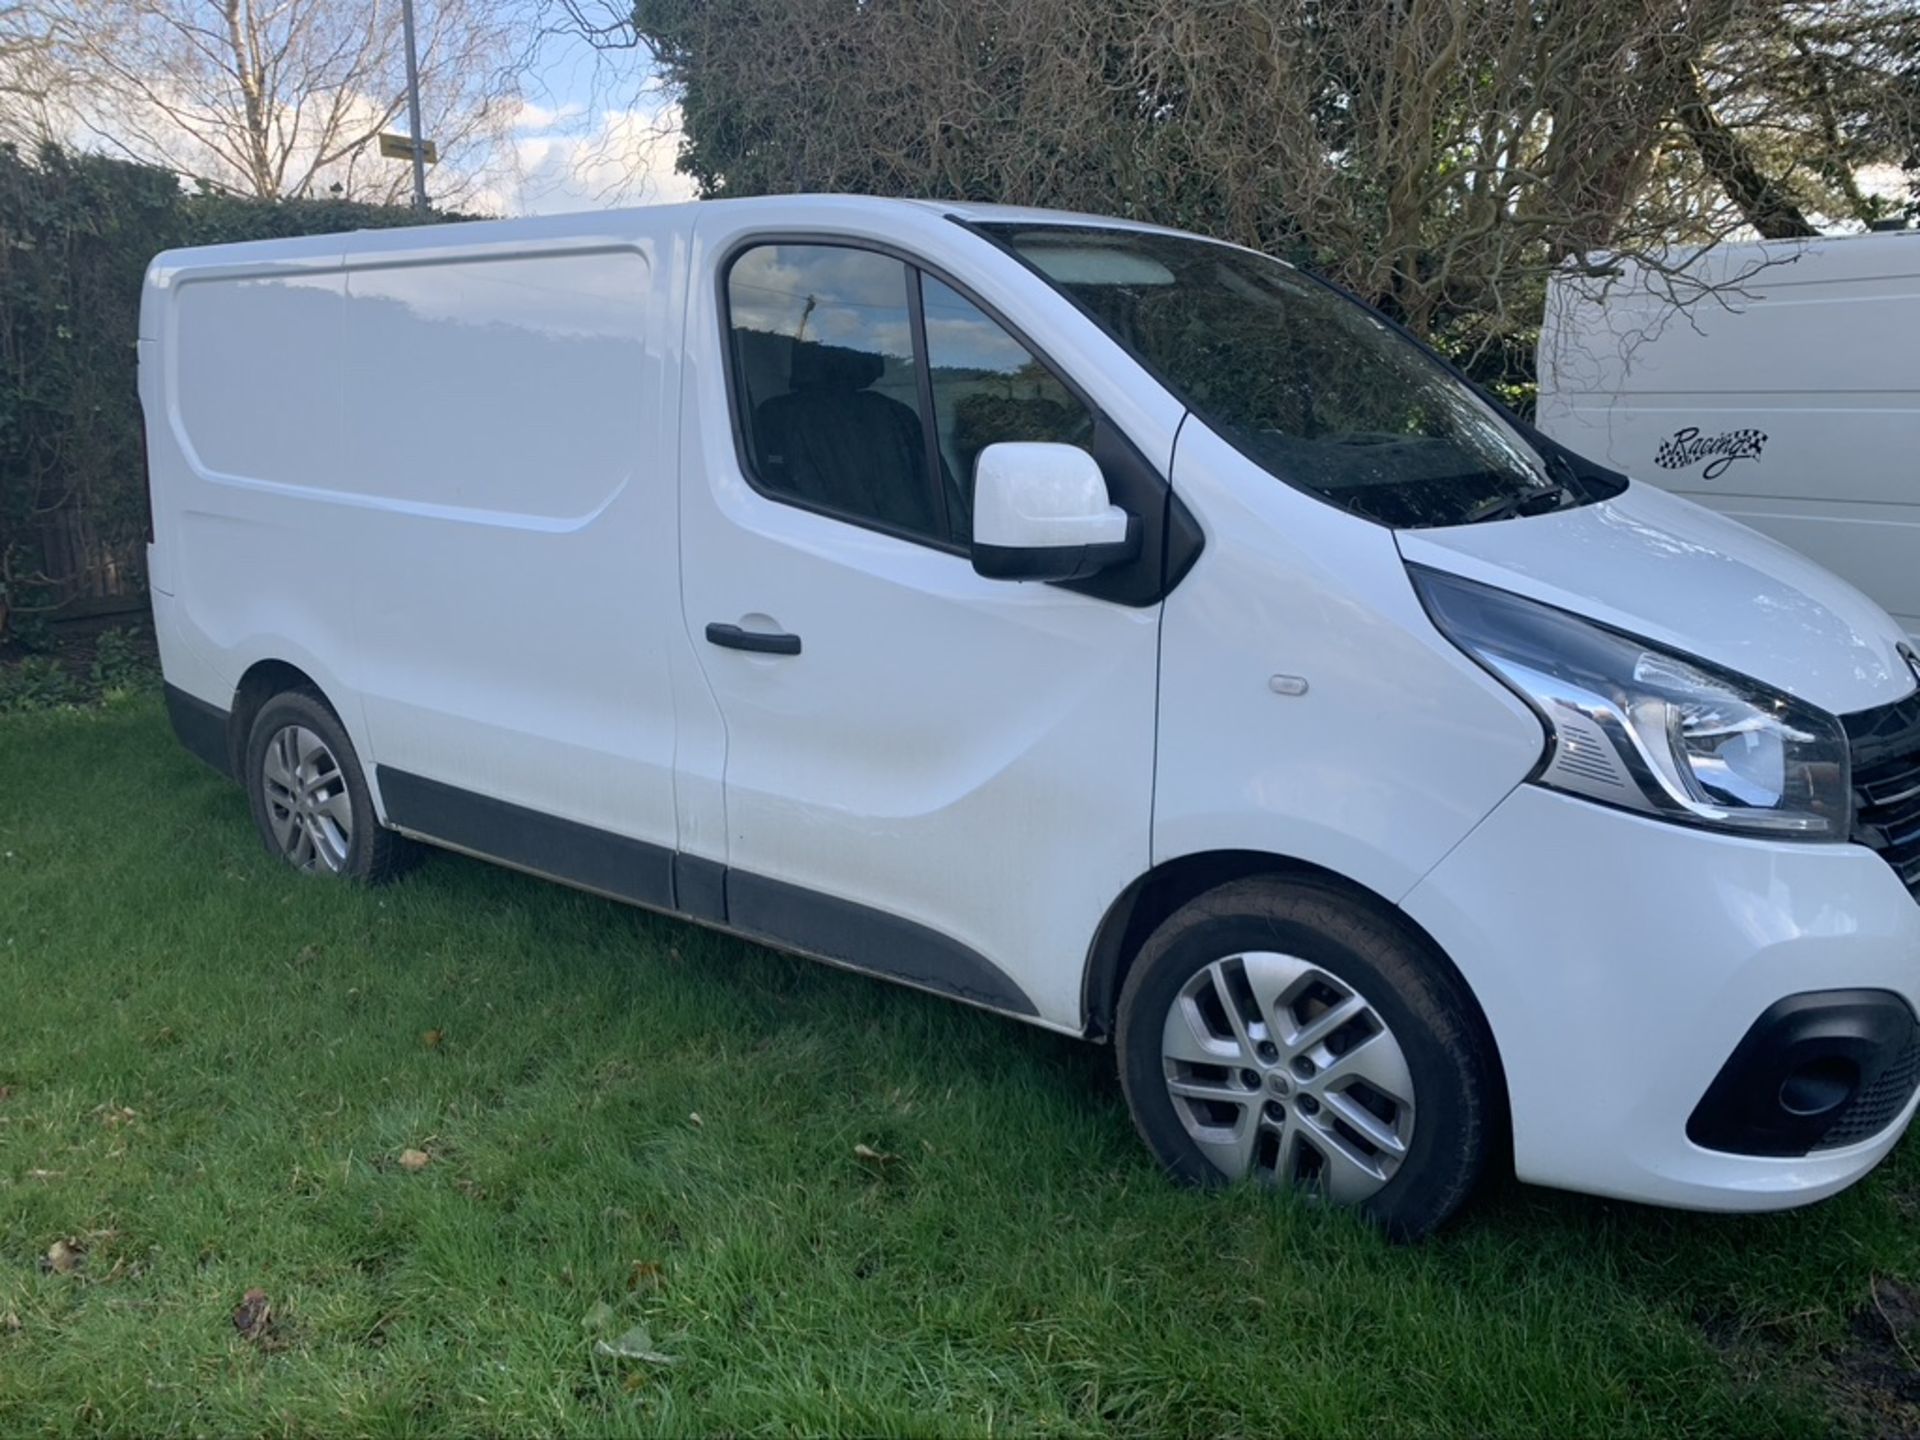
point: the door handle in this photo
(761, 642)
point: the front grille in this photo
(1885, 746)
(1875, 1107)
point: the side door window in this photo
(828, 385)
(987, 387)
(866, 390)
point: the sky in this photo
(593, 132)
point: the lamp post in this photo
(413, 112)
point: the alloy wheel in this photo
(1281, 1071)
(309, 809)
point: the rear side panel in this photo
(429, 468)
(507, 447)
(242, 356)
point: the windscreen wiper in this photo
(1548, 498)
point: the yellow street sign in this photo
(400, 147)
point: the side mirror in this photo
(1041, 512)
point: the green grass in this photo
(1020, 1266)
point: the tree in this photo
(1819, 96)
(26, 45)
(1437, 156)
(279, 98)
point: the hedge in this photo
(76, 233)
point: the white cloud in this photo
(531, 119)
(569, 161)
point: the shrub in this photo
(76, 235)
(39, 682)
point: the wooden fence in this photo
(89, 574)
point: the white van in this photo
(1098, 624)
(1777, 382)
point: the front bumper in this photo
(1620, 962)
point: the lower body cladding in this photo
(1683, 1017)
(837, 931)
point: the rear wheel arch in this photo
(263, 680)
(1152, 899)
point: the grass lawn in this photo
(211, 1069)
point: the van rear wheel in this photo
(310, 801)
(1292, 1034)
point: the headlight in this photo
(1636, 726)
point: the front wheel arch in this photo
(1150, 900)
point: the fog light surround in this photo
(1829, 1067)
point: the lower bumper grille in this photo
(1877, 1104)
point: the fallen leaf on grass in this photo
(46, 1174)
(6, 1092)
(414, 1161)
(432, 1038)
(10, 1322)
(63, 1257)
(645, 1272)
(636, 1344)
(599, 1317)
(114, 1116)
(253, 1315)
(695, 1120)
(879, 1159)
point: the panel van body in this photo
(1108, 627)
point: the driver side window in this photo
(828, 384)
(867, 390)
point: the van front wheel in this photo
(1289, 1033)
(310, 801)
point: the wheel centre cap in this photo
(1277, 1083)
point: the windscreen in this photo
(1317, 389)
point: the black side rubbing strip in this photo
(615, 865)
(201, 728)
(868, 940)
(782, 915)
(700, 887)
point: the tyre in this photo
(310, 801)
(1294, 1034)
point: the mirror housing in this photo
(1041, 512)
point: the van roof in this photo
(1811, 259)
(969, 210)
(537, 227)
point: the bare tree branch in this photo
(282, 97)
